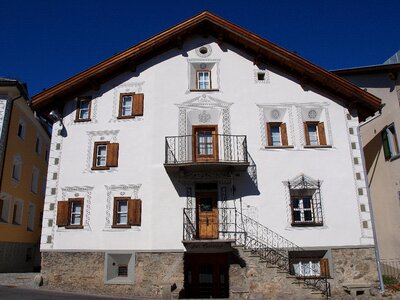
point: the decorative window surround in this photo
(93, 110)
(211, 65)
(304, 182)
(276, 113)
(84, 192)
(135, 87)
(98, 136)
(122, 190)
(360, 181)
(321, 114)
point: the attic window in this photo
(203, 50)
(261, 76)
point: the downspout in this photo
(376, 248)
(21, 94)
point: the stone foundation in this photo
(155, 274)
(161, 275)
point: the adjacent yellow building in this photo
(24, 154)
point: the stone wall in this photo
(155, 274)
(353, 266)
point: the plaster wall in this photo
(164, 80)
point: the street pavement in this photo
(18, 293)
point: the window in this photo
(309, 263)
(17, 212)
(122, 271)
(305, 202)
(21, 130)
(119, 268)
(205, 143)
(127, 212)
(34, 181)
(203, 75)
(38, 145)
(16, 170)
(31, 217)
(390, 143)
(70, 213)
(130, 105)
(277, 134)
(203, 80)
(105, 155)
(83, 109)
(315, 133)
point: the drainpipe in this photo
(21, 94)
(378, 260)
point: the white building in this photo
(174, 153)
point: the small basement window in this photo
(119, 268)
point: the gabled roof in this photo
(206, 24)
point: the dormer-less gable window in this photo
(203, 76)
(203, 80)
(130, 105)
(83, 109)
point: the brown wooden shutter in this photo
(269, 138)
(138, 101)
(135, 212)
(306, 134)
(324, 265)
(112, 154)
(321, 133)
(62, 213)
(284, 134)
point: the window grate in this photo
(123, 271)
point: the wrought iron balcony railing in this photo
(212, 148)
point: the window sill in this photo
(121, 226)
(279, 147)
(394, 157)
(125, 117)
(82, 120)
(29, 229)
(204, 90)
(74, 227)
(307, 224)
(15, 223)
(317, 146)
(100, 168)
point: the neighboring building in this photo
(175, 158)
(24, 153)
(380, 139)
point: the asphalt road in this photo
(15, 293)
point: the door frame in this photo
(198, 157)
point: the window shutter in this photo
(135, 212)
(306, 134)
(284, 134)
(269, 134)
(62, 213)
(321, 133)
(324, 265)
(138, 101)
(386, 146)
(112, 154)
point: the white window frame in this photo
(313, 266)
(118, 213)
(200, 80)
(84, 110)
(73, 213)
(125, 106)
(392, 139)
(99, 156)
(302, 210)
(279, 133)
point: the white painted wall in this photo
(164, 82)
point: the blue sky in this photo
(43, 42)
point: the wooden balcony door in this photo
(205, 143)
(207, 215)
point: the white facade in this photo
(240, 103)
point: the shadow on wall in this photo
(372, 151)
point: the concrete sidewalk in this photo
(18, 279)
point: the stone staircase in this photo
(255, 278)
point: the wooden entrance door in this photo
(207, 215)
(205, 143)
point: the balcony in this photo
(206, 151)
